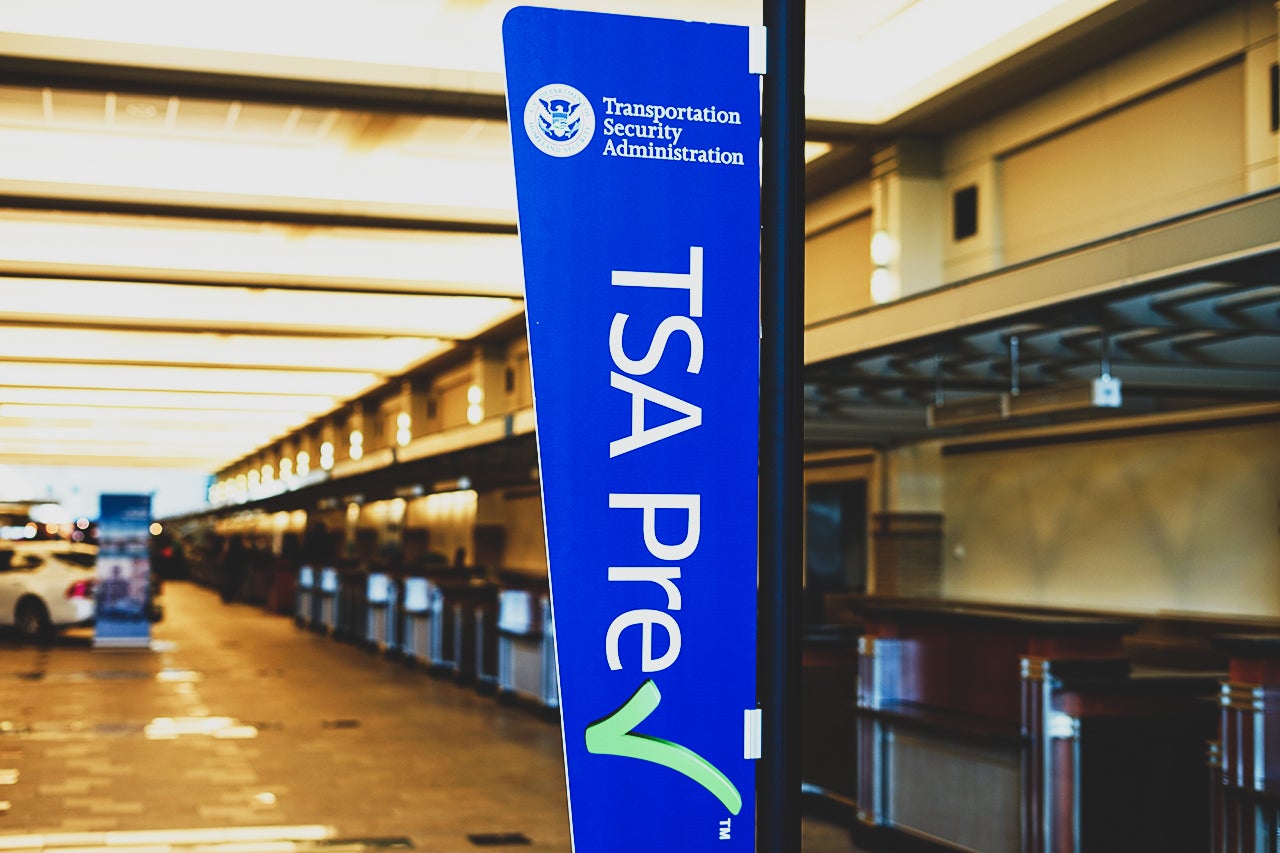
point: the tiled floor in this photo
(240, 722)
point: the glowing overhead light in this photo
(280, 30)
(884, 286)
(403, 435)
(269, 171)
(209, 379)
(356, 444)
(814, 150)
(212, 250)
(156, 528)
(304, 463)
(201, 401)
(326, 455)
(865, 61)
(881, 249)
(177, 418)
(213, 308)
(475, 405)
(914, 50)
(373, 354)
(90, 435)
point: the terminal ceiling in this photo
(219, 225)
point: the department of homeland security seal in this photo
(559, 120)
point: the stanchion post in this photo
(781, 427)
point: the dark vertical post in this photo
(781, 427)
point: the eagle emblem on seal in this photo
(557, 119)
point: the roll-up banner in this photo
(121, 617)
(636, 145)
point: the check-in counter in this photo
(416, 619)
(428, 624)
(328, 601)
(305, 604)
(468, 603)
(1245, 759)
(526, 647)
(382, 622)
(440, 650)
(1007, 732)
(828, 691)
(486, 640)
(353, 605)
(280, 594)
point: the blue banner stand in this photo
(637, 151)
(124, 572)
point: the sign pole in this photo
(781, 426)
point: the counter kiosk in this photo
(326, 620)
(828, 684)
(416, 619)
(440, 650)
(380, 611)
(467, 603)
(1018, 732)
(526, 648)
(1244, 762)
(280, 593)
(304, 608)
(353, 606)
(486, 641)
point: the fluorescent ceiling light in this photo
(24, 414)
(203, 440)
(433, 168)
(814, 150)
(160, 378)
(867, 61)
(206, 250)
(237, 309)
(371, 354)
(188, 459)
(207, 401)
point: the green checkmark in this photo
(614, 735)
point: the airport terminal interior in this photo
(273, 247)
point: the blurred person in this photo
(235, 566)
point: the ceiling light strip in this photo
(300, 283)
(253, 216)
(282, 91)
(168, 399)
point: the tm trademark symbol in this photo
(725, 826)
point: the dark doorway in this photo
(835, 542)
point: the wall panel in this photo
(838, 269)
(1176, 151)
(1178, 521)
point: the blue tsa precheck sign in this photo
(636, 144)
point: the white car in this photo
(46, 585)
